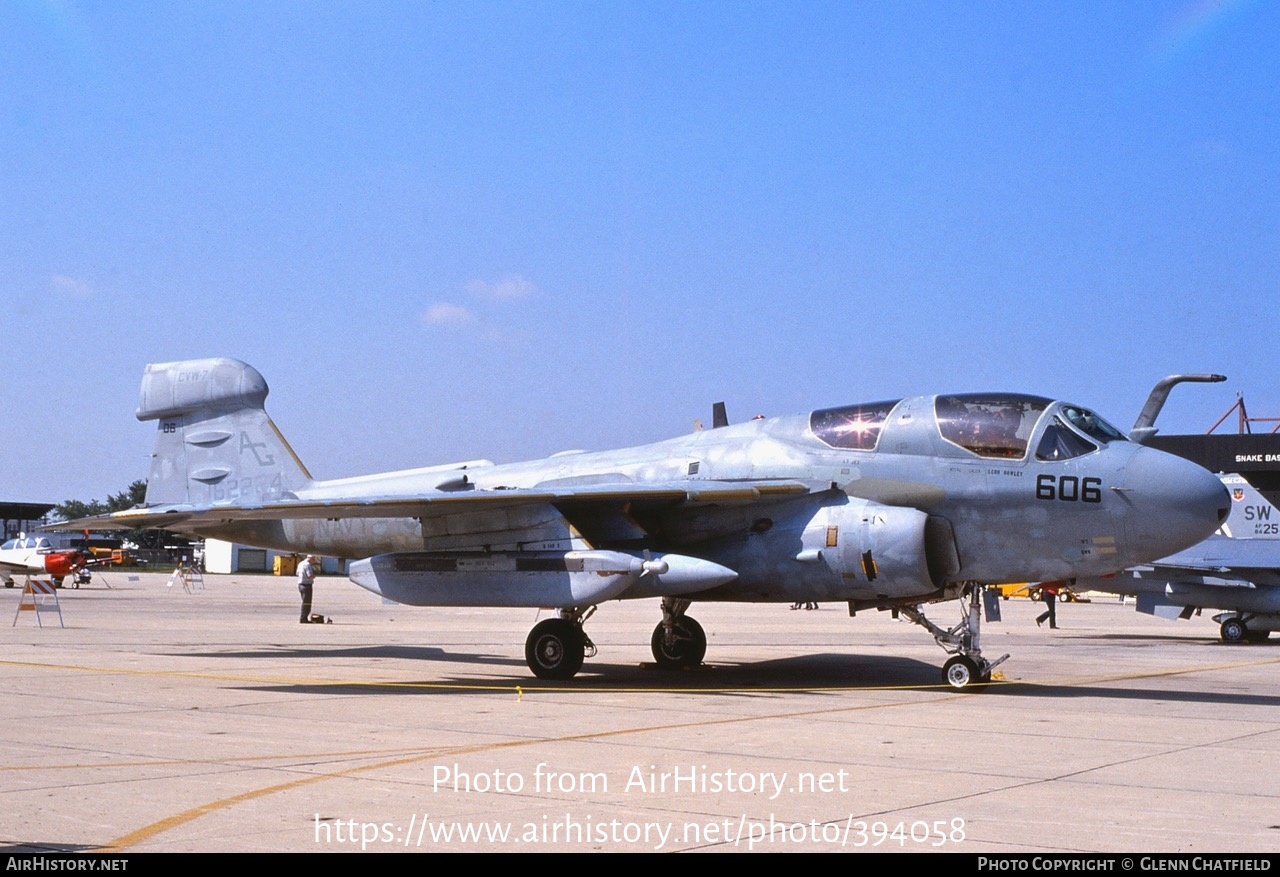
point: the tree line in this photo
(72, 509)
(133, 495)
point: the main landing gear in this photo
(557, 647)
(967, 670)
(678, 641)
(1235, 629)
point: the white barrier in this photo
(43, 596)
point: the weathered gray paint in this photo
(222, 465)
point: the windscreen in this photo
(1091, 424)
(1061, 443)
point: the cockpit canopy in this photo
(856, 427)
(1001, 427)
(998, 426)
(40, 543)
(1059, 442)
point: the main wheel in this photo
(1233, 630)
(554, 649)
(962, 674)
(1258, 636)
(688, 649)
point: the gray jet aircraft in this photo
(885, 505)
(1236, 569)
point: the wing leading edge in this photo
(702, 493)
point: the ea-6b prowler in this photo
(885, 505)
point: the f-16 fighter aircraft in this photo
(1236, 569)
(884, 505)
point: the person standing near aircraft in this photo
(306, 584)
(1050, 596)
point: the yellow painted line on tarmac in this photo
(149, 831)
(519, 690)
(229, 761)
(1076, 681)
(245, 677)
(586, 687)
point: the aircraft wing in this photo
(131, 519)
(442, 503)
(1249, 561)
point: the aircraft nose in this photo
(1175, 503)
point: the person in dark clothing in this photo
(1050, 596)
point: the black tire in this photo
(555, 649)
(1258, 636)
(1233, 630)
(961, 673)
(689, 648)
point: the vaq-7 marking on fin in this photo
(886, 505)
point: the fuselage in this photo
(923, 491)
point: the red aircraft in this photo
(36, 556)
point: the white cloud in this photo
(73, 287)
(507, 287)
(445, 314)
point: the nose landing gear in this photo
(967, 670)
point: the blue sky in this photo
(451, 230)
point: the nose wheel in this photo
(966, 670)
(965, 674)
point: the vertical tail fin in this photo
(1252, 516)
(215, 444)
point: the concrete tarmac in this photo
(162, 720)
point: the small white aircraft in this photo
(37, 556)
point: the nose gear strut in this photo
(967, 670)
